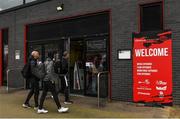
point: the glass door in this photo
(96, 61)
(5, 55)
(76, 66)
(88, 57)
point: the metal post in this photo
(98, 92)
(7, 88)
(98, 87)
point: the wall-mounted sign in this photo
(152, 68)
(17, 54)
(124, 54)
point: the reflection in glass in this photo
(96, 61)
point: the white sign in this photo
(124, 54)
(17, 54)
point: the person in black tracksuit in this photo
(65, 81)
(49, 85)
(34, 80)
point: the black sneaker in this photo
(68, 102)
(26, 106)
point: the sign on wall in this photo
(124, 54)
(152, 68)
(17, 54)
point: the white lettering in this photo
(151, 52)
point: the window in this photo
(151, 17)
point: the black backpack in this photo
(26, 71)
(58, 67)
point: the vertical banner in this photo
(152, 68)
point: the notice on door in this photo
(152, 68)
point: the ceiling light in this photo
(60, 8)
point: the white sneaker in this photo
(42, 111)
(63, 109)
(68, 102)
(26, 106)
(35, 108)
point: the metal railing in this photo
(9, 70)
(98, 85)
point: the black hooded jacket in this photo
(37, 71)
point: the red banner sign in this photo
(152, 68)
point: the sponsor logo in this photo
(146, 81)
(161, 94)
(144, 88)
(161, 83)
(142, 93)
(161, 88)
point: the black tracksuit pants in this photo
(49, 86)
(34, 90)
(65, 87)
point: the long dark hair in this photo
(50, 55)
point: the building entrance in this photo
(88, 57)
(86, 38)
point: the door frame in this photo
(2, 52)
(77, 16)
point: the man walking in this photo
(35, 76)
(65, 81)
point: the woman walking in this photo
(49, 85)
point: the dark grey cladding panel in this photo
(79, 26)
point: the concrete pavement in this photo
(83, 107)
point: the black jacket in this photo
(37, 72)
(64, 66)
(50, 73)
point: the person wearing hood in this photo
(49, 85)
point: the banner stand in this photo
(152, 68)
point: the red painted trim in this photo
(25, 44)
(163, 14)
(1, 66)
(139, 18)
(165, 33)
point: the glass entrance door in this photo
(88, 57)
(5, 55)
(96, 61)
(76, 66)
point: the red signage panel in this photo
(152, 68)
